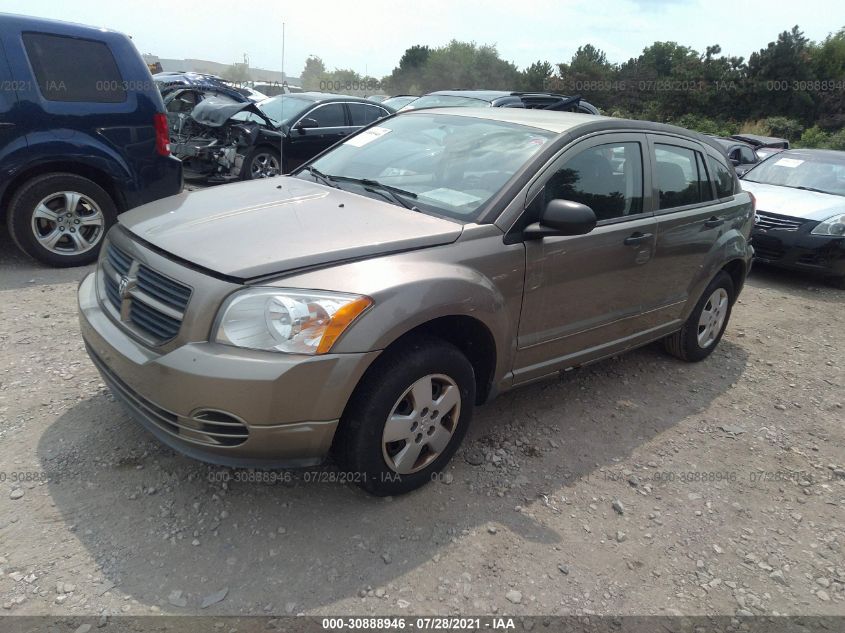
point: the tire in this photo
(699, 336)
(60, 219)
(364, 450)
(262, 162)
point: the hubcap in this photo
(68, 223)
(264, 166)
(421, 424)
(712, 317)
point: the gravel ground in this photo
(640, 485)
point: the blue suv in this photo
(83, 136)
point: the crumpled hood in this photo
(797, 203)
(215, 112)
(263, 227)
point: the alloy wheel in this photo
(264, 165)
(68, 223)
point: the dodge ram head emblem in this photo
(123, 287)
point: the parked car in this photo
(221, 140)
(742, 155)
(366, 304)
(502, 99)
(204, 84)
(378, 98)
(83, 136)
(398, 102)
(800, 220)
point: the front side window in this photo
(606, 178)
(74, 69)
(746, 155)
(329, 115)
(680, 176)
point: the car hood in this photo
(259, 228)
(797, 203)
(215, 112)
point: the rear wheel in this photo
(60, 219)
(407, 417)
(703, 330)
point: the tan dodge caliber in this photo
(363, 306)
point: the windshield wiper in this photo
(394, 192)
(328, 180)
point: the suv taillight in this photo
(162, 134)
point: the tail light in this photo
(162, 134)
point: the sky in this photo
(370, 36)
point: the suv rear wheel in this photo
(407, 417)
(60, 219)
(703, 330)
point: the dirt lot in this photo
(641, 485)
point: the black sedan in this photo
(220, 140)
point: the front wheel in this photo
(407, 417)
(703, 330)
(262, 162)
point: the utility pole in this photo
(284, 81)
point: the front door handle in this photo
(713, 222)
(637, 238)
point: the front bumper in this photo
(220, 404)
(800, 250)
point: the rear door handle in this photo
(713, 222)
(637, 238)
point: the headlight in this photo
(291, 321)
(832, 226)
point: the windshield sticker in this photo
(451, 197)
(789, 162)
(367, 136)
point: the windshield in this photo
(441, 164)
(446, 101)
(802, 171)
(282, 109)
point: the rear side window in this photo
(722, 176)
(363, 114)
(680, 176)
(73, 69)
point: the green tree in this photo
(407, 75)
(536, 77)
(469, 66)
(779, 75)
(313, 73)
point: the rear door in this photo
(585, 295)
(12, 130)
(690, 220)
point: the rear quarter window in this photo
(723, 177)
(74, 69)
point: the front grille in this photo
(143, 299)
(769, 221)
(165, 290)
(206, 427)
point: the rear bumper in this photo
(161, 179)
(799, 250)
(222, 404)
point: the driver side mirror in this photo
(562, 217)
(305, 124)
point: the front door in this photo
(306, 142)
(585, 295)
